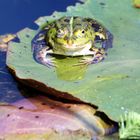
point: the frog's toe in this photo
(85, 61)
(50, 62)
(94, 60)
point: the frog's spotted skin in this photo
(71, 36)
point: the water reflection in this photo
(68, 68)
(9, 91)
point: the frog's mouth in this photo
(74, 47)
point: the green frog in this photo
(71, 36)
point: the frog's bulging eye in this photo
(83, 32)
(60, 33)
(79, 33)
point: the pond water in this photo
(18, 14)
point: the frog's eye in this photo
(60, 33)
(83, 31)
(80, 33)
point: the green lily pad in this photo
(113, 84)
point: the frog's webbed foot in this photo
(97, 57)
(44, 57)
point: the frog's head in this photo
(71, 33)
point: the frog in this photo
(72, 36)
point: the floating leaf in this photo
(113, 84)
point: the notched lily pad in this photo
(112, 84)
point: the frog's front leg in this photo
(43, 57)
(41, 52)
(98, 55)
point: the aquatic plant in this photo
(130, 126)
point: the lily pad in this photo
(113, 84)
